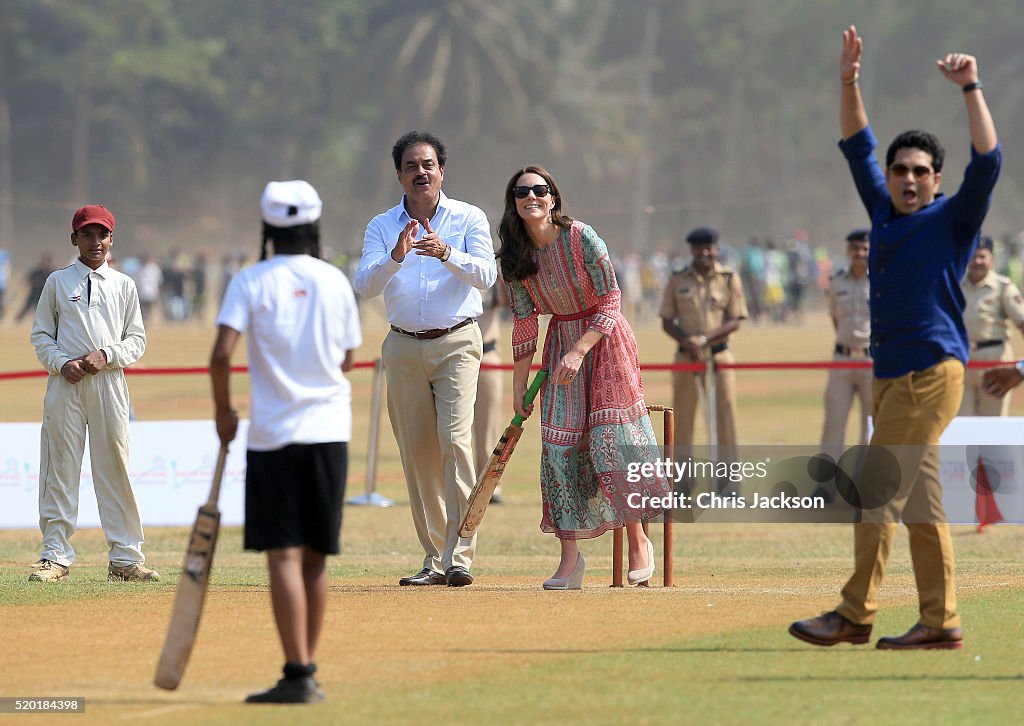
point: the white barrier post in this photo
(371, 498)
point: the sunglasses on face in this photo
(539, 190)
(901, 170)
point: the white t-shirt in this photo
(300, 317)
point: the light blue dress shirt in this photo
(421, 292)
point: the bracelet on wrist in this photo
(852, 80)
(974, 86)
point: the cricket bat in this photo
(195, 575)
(488, 479)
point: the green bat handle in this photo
(531, 393)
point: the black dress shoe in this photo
(922, 637)
(457, 576)
(829, 629)
(423, 577)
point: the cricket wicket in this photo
(668, 578)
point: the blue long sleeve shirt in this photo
(917, 261)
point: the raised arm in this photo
(962, 69)
(852, 116)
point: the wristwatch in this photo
(1019, 365)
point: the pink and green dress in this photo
(595, 427)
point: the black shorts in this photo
(294, 496)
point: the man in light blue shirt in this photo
(431, 257)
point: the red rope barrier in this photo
(690, 367)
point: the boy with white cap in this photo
(87, 329)
(303, 326)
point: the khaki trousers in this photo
(431, 390)
(976, 402)
(910, 413)
(488, 418)
(685, 397)
(100, 404)
(844, 385)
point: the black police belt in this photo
(853, 351)
(715, 349)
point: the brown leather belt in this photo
(436, 332)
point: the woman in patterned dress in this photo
(594, 423)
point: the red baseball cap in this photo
(92, 214)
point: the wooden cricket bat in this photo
(488, 479)
(195, 575)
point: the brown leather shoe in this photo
(457, 576)
(829, 629)
(922, 637)
(426, 576)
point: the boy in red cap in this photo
(88, 328)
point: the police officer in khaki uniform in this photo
(848, 303)
(702, 306)
(488, 423)
(992, 301)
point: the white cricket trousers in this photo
(100, 404)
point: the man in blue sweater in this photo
(921, 242)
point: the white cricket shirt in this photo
(81, 310)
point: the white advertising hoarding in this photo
(171, 464)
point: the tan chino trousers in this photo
(431, 391)
(976, 402)
(910, 413)
(686, 395)
(844, 385)
(488, 418)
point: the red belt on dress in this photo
(435, 333)
(575, 316)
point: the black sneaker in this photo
(290, 690)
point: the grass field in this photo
(713, 649)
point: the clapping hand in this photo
(405, 241)
(431, 245)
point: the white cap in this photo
(290, 203)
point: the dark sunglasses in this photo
(539, 190)
(901, 170)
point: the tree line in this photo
(655, 115)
